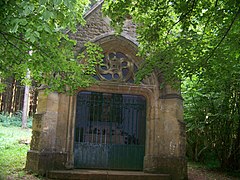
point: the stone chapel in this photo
(114, 124)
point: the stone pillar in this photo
(40, 157)
(166, 137)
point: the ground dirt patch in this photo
(200, 173)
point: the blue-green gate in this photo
(109, 131)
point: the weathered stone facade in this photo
(53, 125)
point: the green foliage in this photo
(75, 73)
(212, 113)
(34, 36)
(12, 151)
(197, 42)
(13, 120)
(182, 38)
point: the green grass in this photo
(13, 150)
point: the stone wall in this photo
(97, 27)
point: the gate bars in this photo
(110, 125)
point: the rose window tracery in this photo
(116, 67)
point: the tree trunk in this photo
(25, 103)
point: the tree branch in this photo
(20, 39)
(209, 18)
(9, 42)
(26, 42)
(183, 16)
(225, 34)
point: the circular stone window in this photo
(117, 67)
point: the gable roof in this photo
(93, 8)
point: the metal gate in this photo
(109, 131)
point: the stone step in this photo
(82, 174)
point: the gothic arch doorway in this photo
(110, 131)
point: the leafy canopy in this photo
(198, 42)
(182, 37)
(33, 36)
